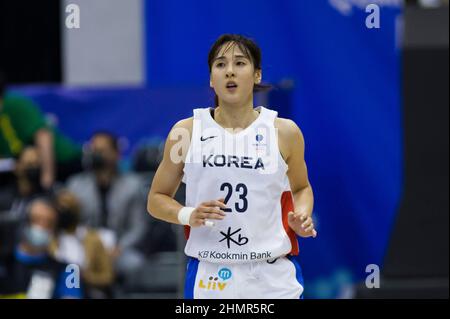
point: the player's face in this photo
(233, 75)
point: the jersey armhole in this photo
(280, 155)
(195, 117)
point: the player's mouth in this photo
(231, 86)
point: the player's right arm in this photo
(167, 179)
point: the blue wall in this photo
(138, 114)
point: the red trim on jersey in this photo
(187, 231)
(287, 205)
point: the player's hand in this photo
(302, 224)
(206, 212)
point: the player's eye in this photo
(220, 65)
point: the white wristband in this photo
(184, 215)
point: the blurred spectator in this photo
(30, 272)
(16, 195)
(112, 202)
(77, 244)
(28, 186)
(160, 236)
(22, 124)
(432, 3)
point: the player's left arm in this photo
(292, 147)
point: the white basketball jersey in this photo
(247, 169)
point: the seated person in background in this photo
(111, 202)
(30, 272)
(22, 124)
(28, 182)
(25, 187)
(76, 244)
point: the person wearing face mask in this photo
(81, 245)
(30, 271)
(111, 202)
(27, 173)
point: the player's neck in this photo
(235, 116)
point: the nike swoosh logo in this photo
(206, 138)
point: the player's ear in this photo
(258, 76)
(210, 81)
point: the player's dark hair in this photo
(248, 47)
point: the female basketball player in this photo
(247, 188)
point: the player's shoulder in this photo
(181, 130)
(184, 124)
(290, 137)
(287, 128)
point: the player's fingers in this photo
(309, 228)
(291, 216)
(307, 223)
(210, 210)
(215, 216)
(208, 203)
(207, 215)
(303, 217)
(309, 234)
(215, 203)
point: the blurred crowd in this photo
(72, 224)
